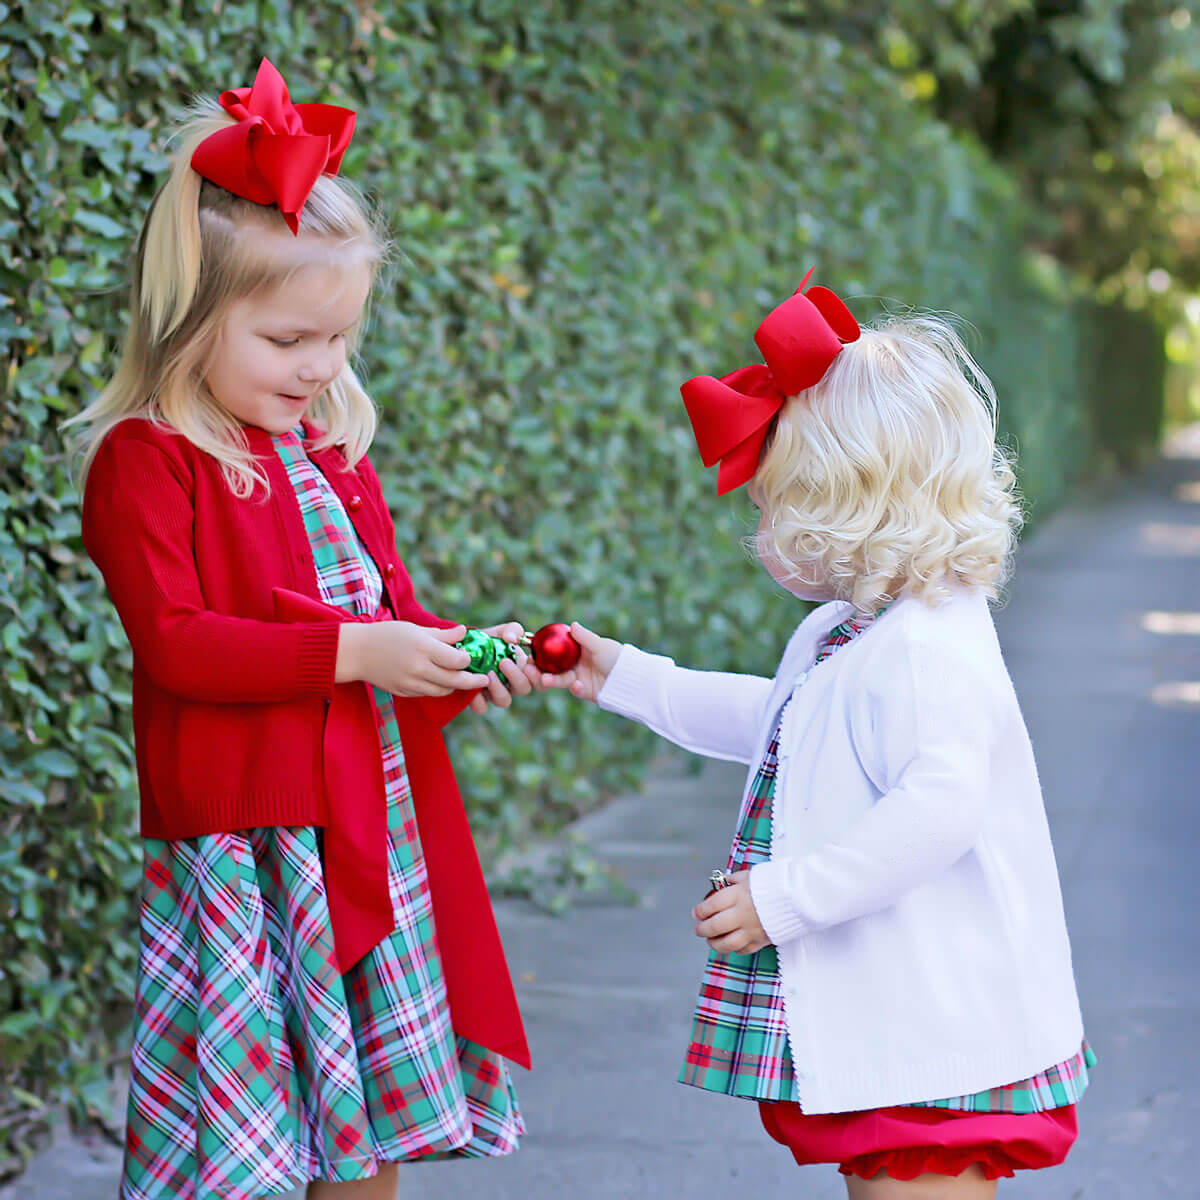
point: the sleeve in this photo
(138, 525)
(712, 713)
(931, 730)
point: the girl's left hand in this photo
(517, 681)
(728, 920)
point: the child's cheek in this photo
(765, 548)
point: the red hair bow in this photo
(277, 150)
(731, 416)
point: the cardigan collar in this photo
(260, 440)
(802, 646)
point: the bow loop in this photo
(277, 150)
(833, 308)
(725, 412)
(732, 416)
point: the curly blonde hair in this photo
(886, 477)
(201, 249)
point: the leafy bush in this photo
(590, 203)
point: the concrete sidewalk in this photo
(1110, 685)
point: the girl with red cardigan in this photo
(321, 989)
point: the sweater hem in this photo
(234, 814)
(866, 1087)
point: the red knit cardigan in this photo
(237, 720)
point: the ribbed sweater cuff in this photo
(776, 913)
(317, 667)
(625, 690)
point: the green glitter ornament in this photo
(486, 651)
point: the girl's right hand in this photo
(586, 678)
(406, 659)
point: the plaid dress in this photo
(256, 1066)
(739, 1042)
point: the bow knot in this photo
(277, 150)
(732, 416)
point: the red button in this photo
(390, 570)
(355, 503)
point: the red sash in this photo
(483, 1005)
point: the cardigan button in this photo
(390, 570)
(355, 503)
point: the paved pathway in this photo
(1108, 670)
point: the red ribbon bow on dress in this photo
(483, 1005)
(277, 150)
(731, 416)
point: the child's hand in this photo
(405, 659)
(728, 920)
(586, 678)
(515, 683)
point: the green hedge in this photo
(590, 203)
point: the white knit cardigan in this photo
(912, 889)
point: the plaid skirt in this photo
(256, 1066)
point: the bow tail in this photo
(740, 464)
(356, 832)
(483, 1002)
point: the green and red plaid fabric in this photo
(847, 631)
(739, 1043)
(256, 1065)
(1063, 1083)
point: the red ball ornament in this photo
(554, 649)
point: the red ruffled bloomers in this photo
(908, 1141)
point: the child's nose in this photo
(322, 368)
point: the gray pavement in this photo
(1110, 684)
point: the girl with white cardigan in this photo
(889, 972)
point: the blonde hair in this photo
(885, 476)
(202, 249)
